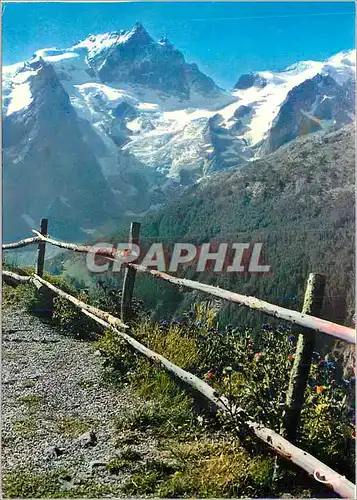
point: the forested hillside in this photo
(298, 201)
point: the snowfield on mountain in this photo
(134, 122)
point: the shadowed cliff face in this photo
(316, 104)
(49, 171)
(117, 125)
(135, 58)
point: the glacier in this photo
(153, 123)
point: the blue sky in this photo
(224, 39)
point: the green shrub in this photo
(71, 319)
(120, 360)
(107, 295)
(328, 419)
(166, 413)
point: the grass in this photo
(29, 483)
(31, 400)
(149, 478)
(205, 468)
(174, 344)
(130, 454)
(212, 469)
(13, 297)
(170, 413)
(124, 460)
(28, 384)
(25, 427)
(73, 427)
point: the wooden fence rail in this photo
(298, 379)
(304, 320)
(315, 468)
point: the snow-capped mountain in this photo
(119, 120)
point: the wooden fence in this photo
(307, 319)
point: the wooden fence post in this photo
(129, 277)
(41, 249)
(314, 294)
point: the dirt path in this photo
(53, 393)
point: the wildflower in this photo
(320, 389)
(292, 338)
(227, 369)
(350, 411)
(191, 314)
(266, 326)
(290, 358)
(284, 328)
(258, 355)
(312, 382)
(353, 434)
(209, 375)
(322, 363)
(315, 356)
(330, 365)
(163, 322)
(353, 380)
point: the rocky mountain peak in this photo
(135, 58)
(128, 113)
(250, 80)
(138, 34)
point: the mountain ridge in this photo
(297, 201)
(153, 123)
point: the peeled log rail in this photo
(110, 319)
(104, 252)
(320, 325)
(21, 243)
(14, 279)
(318, 470)
(339, 331)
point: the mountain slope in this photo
(316, 104)
(298, 202)
(150, 123)
(135, 58)
(42, 180)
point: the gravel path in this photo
(53, 393)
